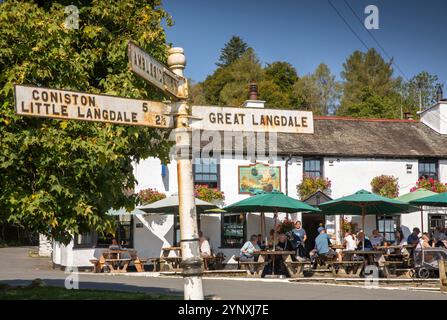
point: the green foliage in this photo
(372, 105)
(150, 195)
(310, 185)
(232, 51)
(283, 74)
(386, 186)
(317, 92)
(366, 70)
(278, 84)
(421, 88)
(60, 177)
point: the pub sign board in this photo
(64, 104)
(252, 119)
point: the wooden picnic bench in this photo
(443, 275)
(296, 268)
(117, 265)
(98, 264)
(137, 261)
(345, 268)
(253, 268)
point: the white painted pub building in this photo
(348, 152)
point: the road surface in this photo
(18, 268)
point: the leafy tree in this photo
(283, 74)
(60, 177)
(229, 85)
(233, 50)
(421, 88)
(318, 92)
(363, 70)
(371, 105)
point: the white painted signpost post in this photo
(172, 82)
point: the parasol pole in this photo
(274, 234)
(422, 219)
(363, 225)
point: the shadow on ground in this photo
(98, 286)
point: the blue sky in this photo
(308, 32)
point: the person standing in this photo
(299, 238)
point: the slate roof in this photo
(352, 137)
(339, 136)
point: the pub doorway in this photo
(311, 221)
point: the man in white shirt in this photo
(205, 248)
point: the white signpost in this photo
(63, 104)
(252, 119)
(147, 67)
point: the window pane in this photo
(206, 172)
(233, 230)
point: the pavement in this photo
(17, 267)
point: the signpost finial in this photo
(176, 60)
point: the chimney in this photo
(439, 94)
(408, 116)
(253, 101)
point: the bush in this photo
(386, 186)
(310, 185)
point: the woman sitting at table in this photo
(399, 239)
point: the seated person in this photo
(260, 242)
(439, 237)
(204, 245)
(322, 242)
(114, 245)
(424, 241)
(349, 241)
(363, 243)
(399, 239)
(413, 238)
(283, 244)
(249, 249)
(376, 238)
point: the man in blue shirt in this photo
(363, 242)
(414, 237)
(322, 242)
